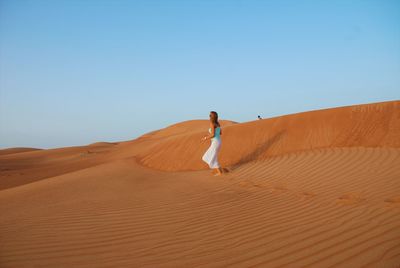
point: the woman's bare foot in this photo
(218, 172)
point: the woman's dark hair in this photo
(214, 119)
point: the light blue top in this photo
(217, 133)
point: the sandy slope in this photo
(368, 125)
(326, 193)
(17, 150)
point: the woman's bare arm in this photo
(212, 133)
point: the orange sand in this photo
(313, 189)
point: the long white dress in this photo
(211, 155)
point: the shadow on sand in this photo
(261, 149)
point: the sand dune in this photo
(16, 150)
(313, 189)
(369, 125)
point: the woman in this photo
(211, 155)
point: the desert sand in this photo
(313, 189)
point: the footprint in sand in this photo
(306, 195)
(246, 184)
(278, 189)
(226, 170)
(88, 152)
(350, 199)
(393, 201)
(249, 184)
(254, 184)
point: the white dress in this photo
(211, 155)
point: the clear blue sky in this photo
(77, 72)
